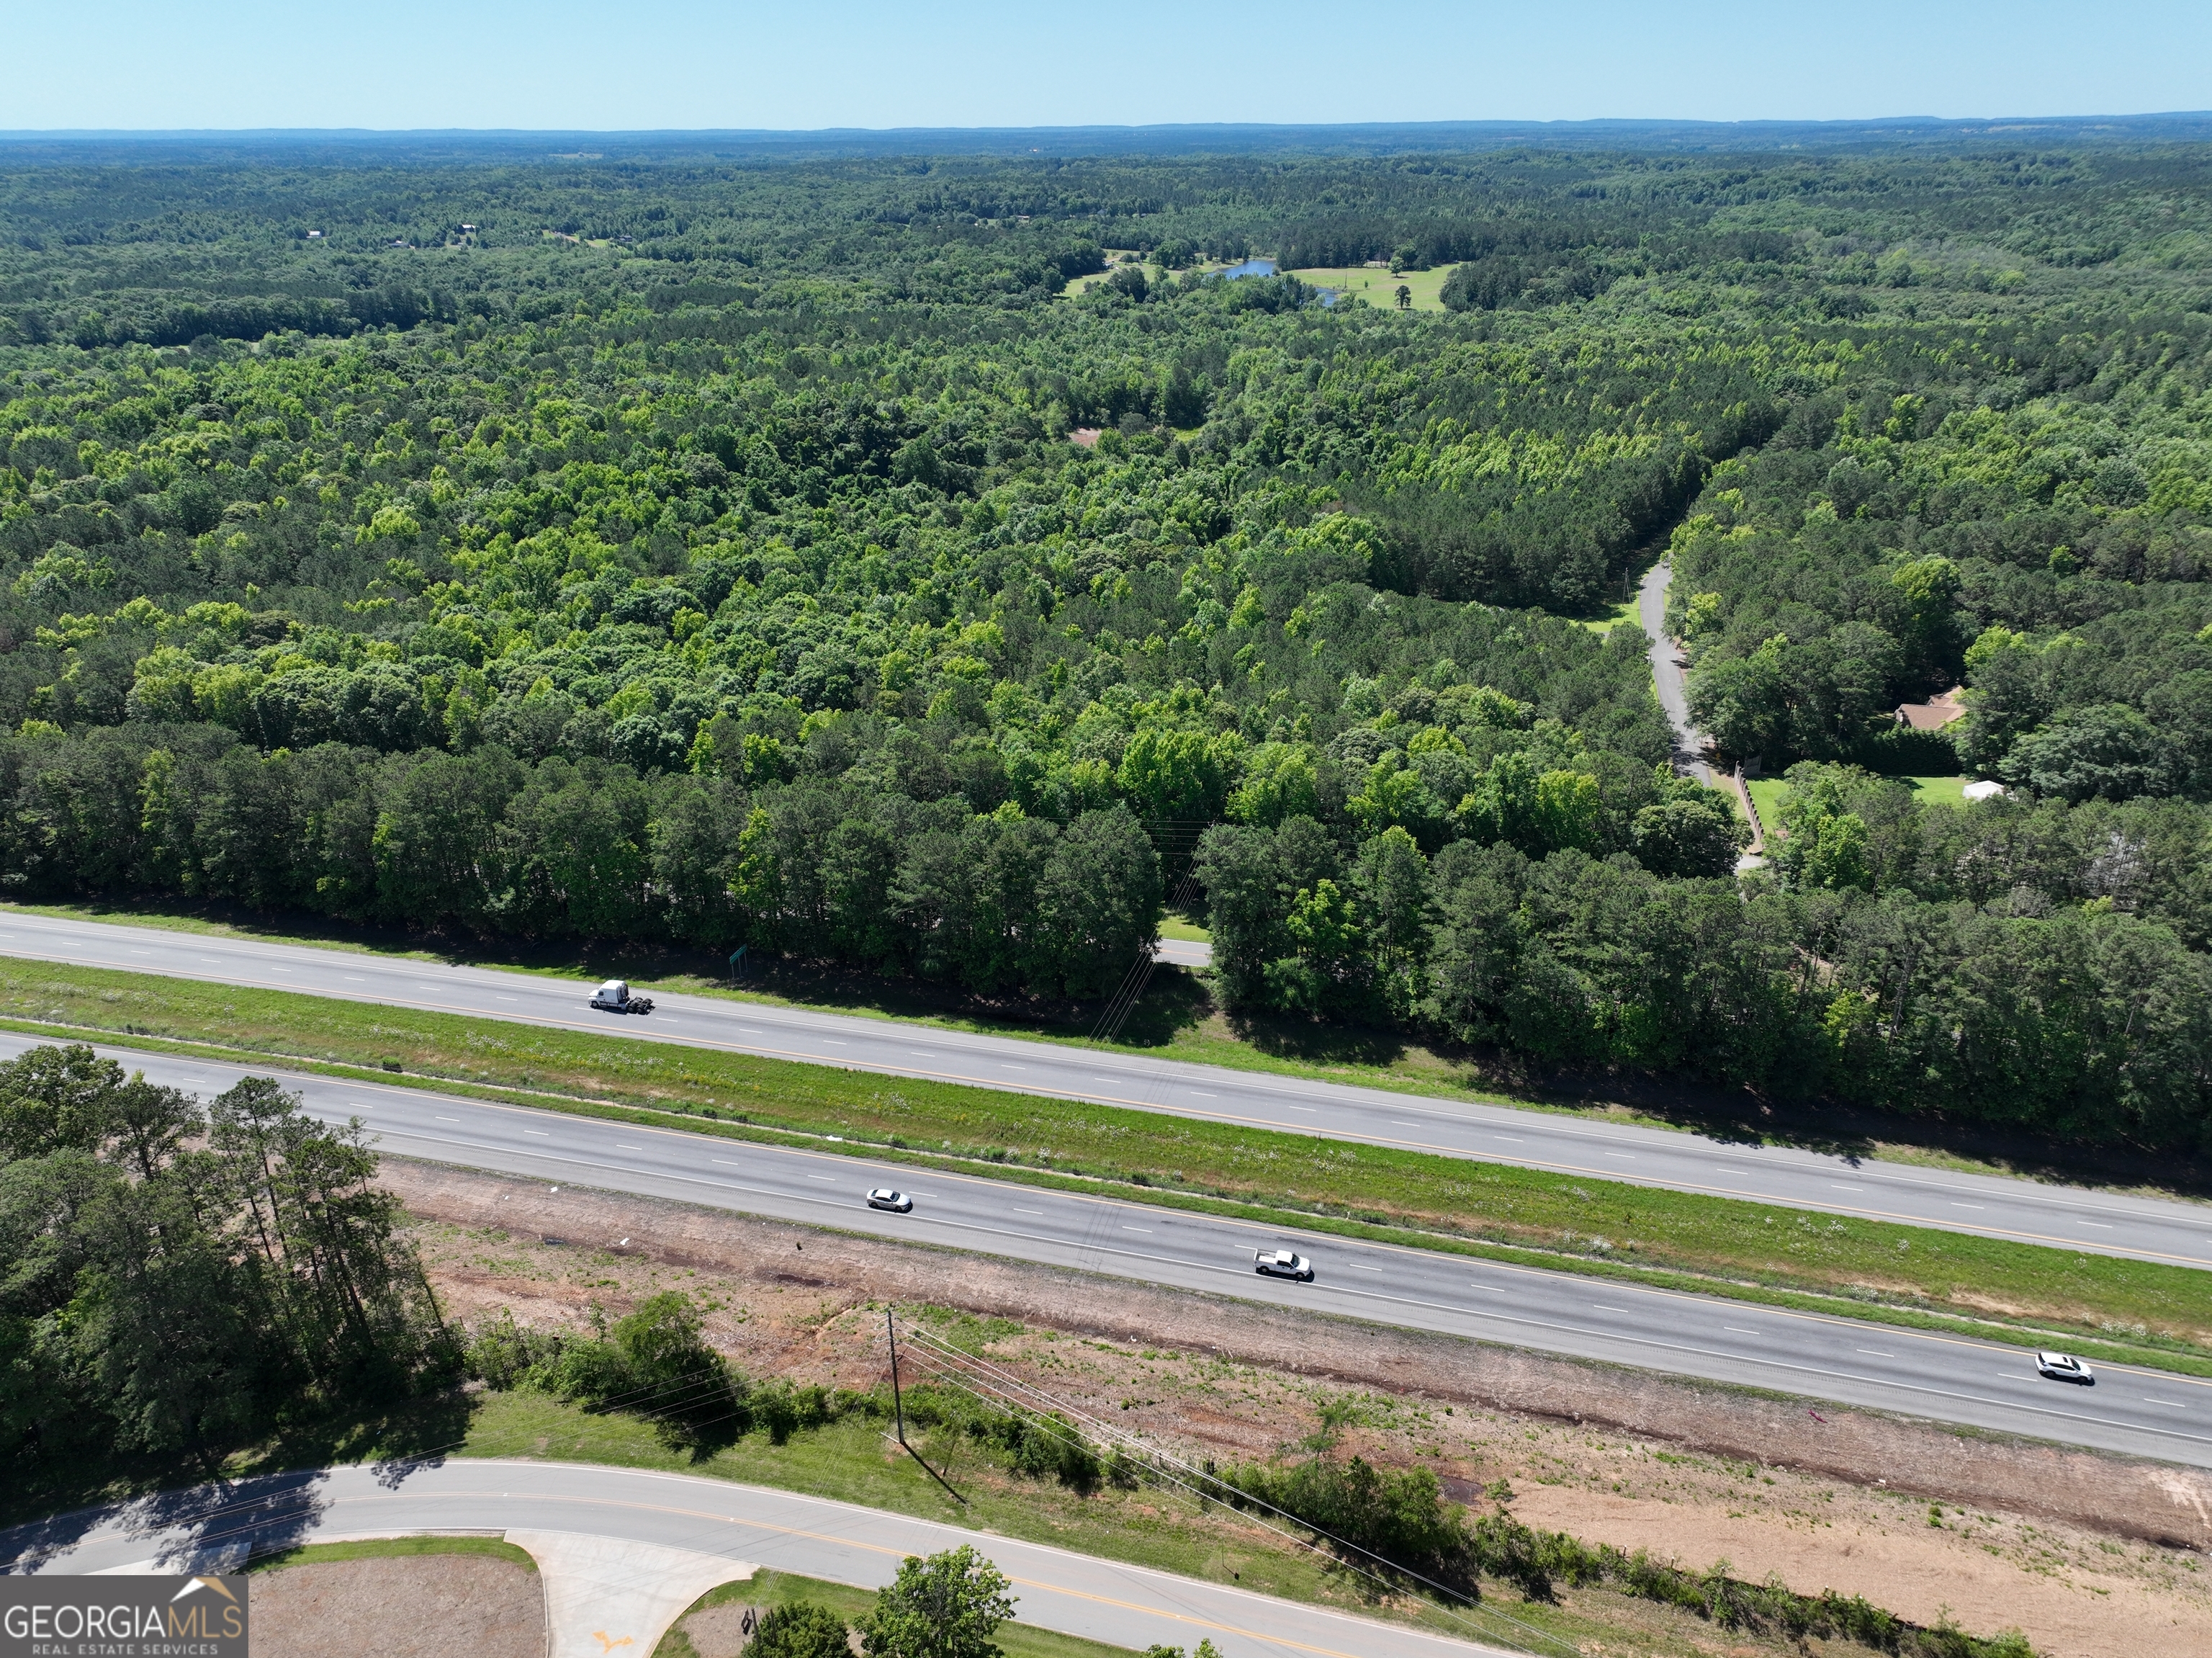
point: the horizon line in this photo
(1484, 123)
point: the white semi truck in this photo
(614, 997)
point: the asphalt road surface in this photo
(210, 1529)
(1953, 1379)
(2026, 1211)
(1667, 670)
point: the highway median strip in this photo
(1349, 1213)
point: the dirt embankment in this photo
(2091, 1554)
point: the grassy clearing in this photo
(1614, 616)
(2128, 1310)
(1766, 795)
(1930, 791)
(1177, 925)
(381, 1548)
(1938, 791)
(1379, 288)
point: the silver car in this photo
(2064, 1367)
(883, 1196)
(1283, 1263)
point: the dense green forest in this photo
(773, 551)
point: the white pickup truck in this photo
(615, 997)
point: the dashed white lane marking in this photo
(1876, 1353)
(445, 1119)
(825, 1179)
(1136, 1229)
(539, 1132)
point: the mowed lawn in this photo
(1380, 288)
(1767, 794)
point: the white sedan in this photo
(1283, 1263)
(2064, 1367)
(883, 1196)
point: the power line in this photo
(1207, 1487)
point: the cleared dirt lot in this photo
(432, 1603)
(2089, 1554)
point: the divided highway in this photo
(1952, 1379)
(2026, 1211)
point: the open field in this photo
(2155, 1313)
(1379, 288)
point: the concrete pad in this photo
(606, 1596)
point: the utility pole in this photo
(898, 1403)
(898, 1408)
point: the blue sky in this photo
(689, 63)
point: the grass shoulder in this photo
(384, 1548)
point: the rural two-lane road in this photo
(1952, 1379)
(2026, 1211)
(214, 1529)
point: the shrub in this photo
(801, 1628)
